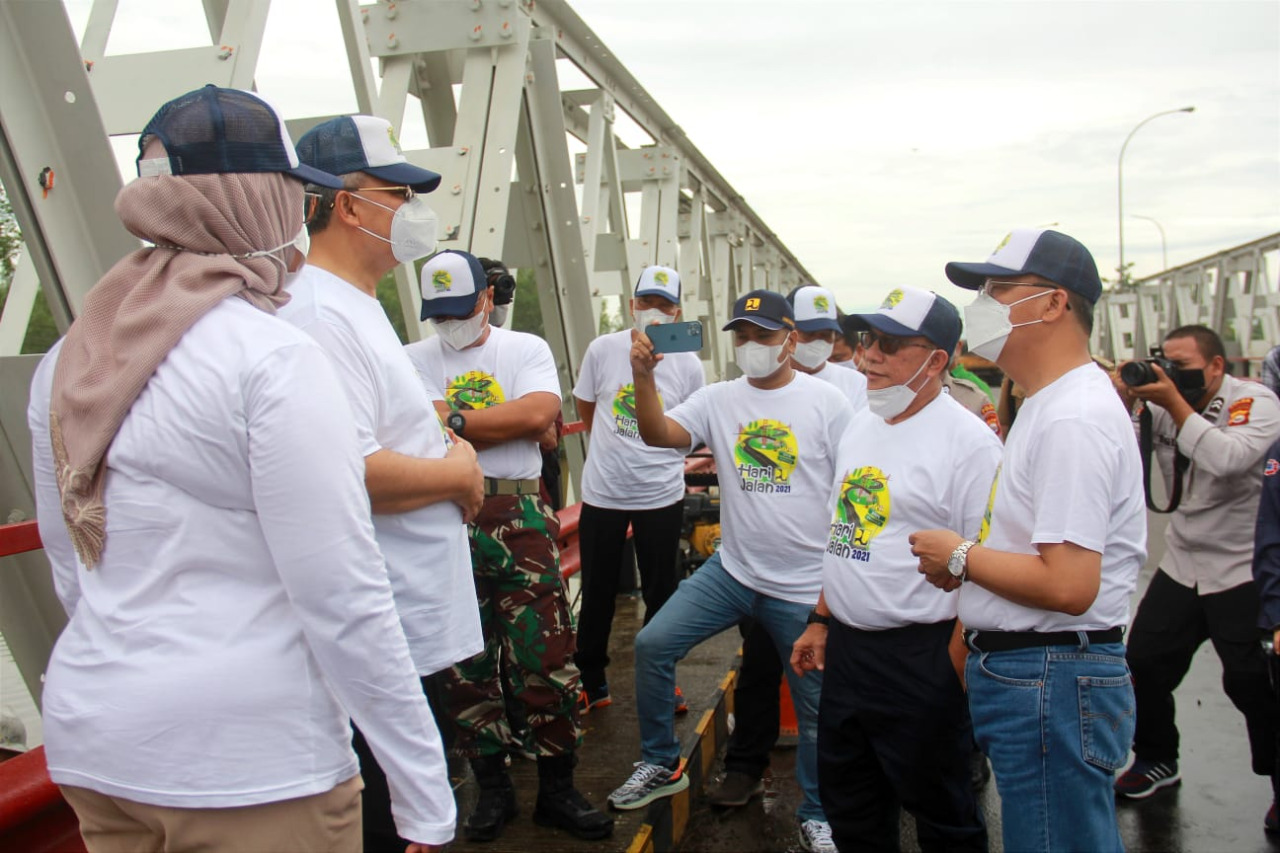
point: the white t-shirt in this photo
(851, 382)
(931, 471)
(241, 610)
(427, 552)
(622, 472)
(775, 451)
(1070, 473)
(505, 367)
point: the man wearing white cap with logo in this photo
(756, 699)
(421, 484)
(500, 390)
(893, 723)
(774, 434)
(625, 481)
(1045, 587)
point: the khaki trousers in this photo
(328, 822)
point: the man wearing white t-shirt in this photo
(893, 723)
(421, 483)
(756, 699)
(774, 434)
(500, 390)
(625, 482)
(1044, 594)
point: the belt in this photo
(1007, 641)
(494, 486)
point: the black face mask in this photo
(1191, 385)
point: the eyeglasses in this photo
(406, 192)
(993, 282)
(888, 344)
(310, 204)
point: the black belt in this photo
(1007, 641)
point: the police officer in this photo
(1212, 433)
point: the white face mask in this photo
(301, 243)
(413, 229)
(498, 316)
(813, 353)
(460, 334)
(851, 364)
(646, 317)
(758, 361)
(890, 402)
(987, 326)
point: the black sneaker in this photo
(1144, 778)
(736, 789)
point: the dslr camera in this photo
(500, 279)
(1142, 372)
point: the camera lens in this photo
(1137, 373)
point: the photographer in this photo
(1211, 431)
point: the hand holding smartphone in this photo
(676, 337)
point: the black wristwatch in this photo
(816, 618)
(456, 422)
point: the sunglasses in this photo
(889, 344)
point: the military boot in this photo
(559, 803)
(497, 802)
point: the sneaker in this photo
(593, 698)
(736, 789)
(682, 707)
(1271, 823)
(649, 782)
(1144, 778)
(815, 836)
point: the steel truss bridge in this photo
(535, 171)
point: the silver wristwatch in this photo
(956, 562)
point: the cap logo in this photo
(660, 277)
(1004, 242)
(391, 135)
(753, 304)
(820, 304)
(894, 297)
(441, 280)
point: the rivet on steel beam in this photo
(88, 66)
(452, 233)
(456, 189)
(392, 11)
(477, 32)
(392, 41)
(364, 16)
(475, 5)
(506, 32)
(224, 52)
(463, 150)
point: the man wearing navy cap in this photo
(774, 434)
(500, 389)
(1045, 586)
(422, 484)
(755, 696)
(893, 725)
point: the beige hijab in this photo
(144, 305)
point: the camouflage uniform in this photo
(526, 619)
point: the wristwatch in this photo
(456, 422)
(956, 564)
(816, 618)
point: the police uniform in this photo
(1204, 587)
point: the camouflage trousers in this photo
(527, 625)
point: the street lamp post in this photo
(1164, 245)
(1120, 177)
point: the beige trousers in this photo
(328, 822)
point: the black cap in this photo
(765, 308)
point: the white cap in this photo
(659, 281)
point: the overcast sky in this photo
(881, 139)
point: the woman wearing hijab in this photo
(200, 496)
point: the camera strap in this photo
(1146, 449)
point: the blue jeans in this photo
(708, 602)
(1057, 723)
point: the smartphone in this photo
(676, 337)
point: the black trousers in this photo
(1173, 621)
(602, 537)
(894, 730)
(756, 710)
(379, 829)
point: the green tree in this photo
(41, 331)
(526, 313)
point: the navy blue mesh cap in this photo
(909, 311)
(1051, 255)
(215, 131)
(765, 309)
(367, 144)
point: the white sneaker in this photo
(815, 836)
